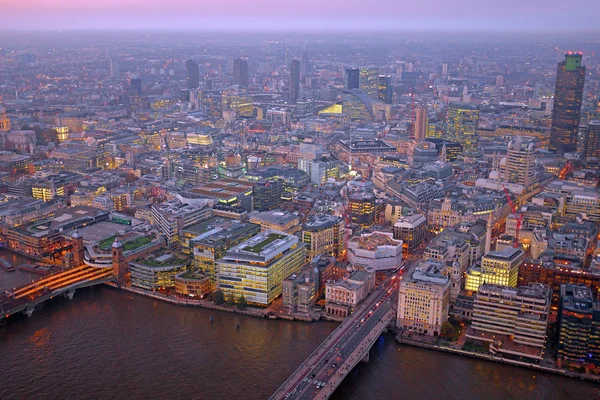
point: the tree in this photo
(447, 330)
(230, 300)
(219, 297)
(242, 303)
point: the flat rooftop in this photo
(224, 188)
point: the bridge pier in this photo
(69, 295)
(29, 310)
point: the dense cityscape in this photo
(438, 190)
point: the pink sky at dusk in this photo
(198, 14)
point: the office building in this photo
(174, 216)
(497, 268)
(363, 209)
(357, 105)
(579, 326)
(343, 296)
(519, 165)
(352, 78)
(324, 234)
(299, 290)
(513, 320)
(591, 144)
(421, 122)
(424, 299)
(257, 267)
(462, 123)
(157, 273)
(114, 68)
(209, 240)
(412, 230)
(369, 81)
(376, 251)
(192, 74)
(240, 72)
(267, 194)
(277, 220)
(385, 89)
(294, 81)
(568, 97)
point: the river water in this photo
(108, 344)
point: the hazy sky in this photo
(302, 14)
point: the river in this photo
(107, 344)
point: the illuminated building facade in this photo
(363, 209)
(421, 122)
(497, 268)
(568, 97)
(369, 81)
(324, 234)
(385, 89)
(257, 267)
(579, 325)
(462, 123)
(424, 299)
(591, 145)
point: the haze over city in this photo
(301, 200)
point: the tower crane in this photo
(518, 216)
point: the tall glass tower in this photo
(568, 96)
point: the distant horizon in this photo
(305, 15)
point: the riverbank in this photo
(496, 359)
(250, 311)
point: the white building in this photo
(375, 251)
(424, 299)
(344, 295)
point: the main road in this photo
(337, 350)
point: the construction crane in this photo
(518, 217)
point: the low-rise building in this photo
(343, 296)
(157, 272)
(192, 284)
(513, 320)
(277, 220)
(299, 291)
(497, 268)
(375, 251)
(256, 268)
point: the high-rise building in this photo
(385, 89)
(257, 267)
(324, 234)
(135, 86)
(193, 74)
(363, 209)
(519, 165)
(591, 144)
(352, 78)
(463, 119)
(568, 96)
(421, 122)
(304, 65)
(369, 81)
(240, 72)
(579, 325)
(267, 194)
(357, 105)
(424, 299)
(115, 68)
(412, 230)
(294, 81)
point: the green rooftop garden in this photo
(136, 243)
(105, 244)
(257, 248)
(153, 262)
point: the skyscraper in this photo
(421, 122)
(385, 89)
(135, 86)
(520, 162)
(352, 78)
(591, 144)
(463, 119)
(294, 81)
(304, 62)
(369, 81)
(135, 97)
(240, 72)
(115, 70)
(191, 68)
(568, 96)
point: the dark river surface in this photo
(108, 344)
